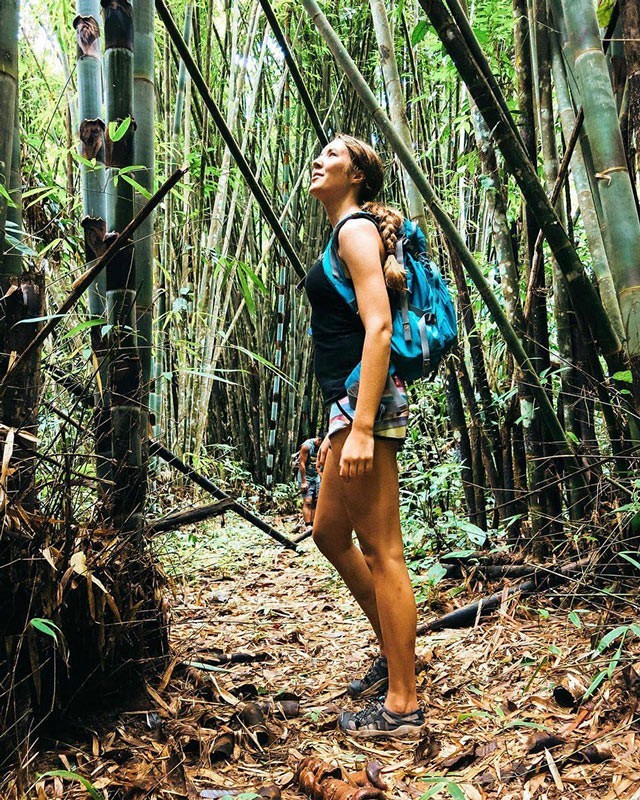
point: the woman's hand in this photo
(322, 452)
(357, 454)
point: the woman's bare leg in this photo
(332, 533)
(373, 508)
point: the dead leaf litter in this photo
(264, 642)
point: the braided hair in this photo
(366, 161)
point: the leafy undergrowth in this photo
(259, 629)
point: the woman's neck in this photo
(342, 208)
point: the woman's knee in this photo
(329, 541)
(382, 559)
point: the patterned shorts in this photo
(391, 421)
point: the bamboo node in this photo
(628, 289)
(604, 175)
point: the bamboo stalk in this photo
(124, 395)
(460, 16)
(586, 301)
(155, 448)
(243, 165)
(143, 155)
(621, 225)
(460, 432)
(84, 281)
(9, 15)
(308, 103)
(91, 132)
(396, 102)
(448, 227)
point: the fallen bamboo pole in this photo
(465, 617)
(177, 520)
(156, 449)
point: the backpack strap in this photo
(404, 301)
(423, 320)
(334, 236)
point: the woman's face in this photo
(332, 172)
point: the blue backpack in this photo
(424, 317)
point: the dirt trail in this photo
(488, 691)
(495, 729)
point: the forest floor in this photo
(256, 626)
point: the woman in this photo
(359, 491)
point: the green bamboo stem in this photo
(458, 13)
(630, 18)
(216, 289)
(91, 116)
(396, 103)
(9, 21)
(143, 155)
(19, 405)
(278, 385)
(592, 231)
(308, 103)
(128, 417)
(82, 283)
(239, 158)
(448, 227)
(620, 223)
(584, 297)
(91, 132)
(12, 258)
(460, 433)
(562, 310)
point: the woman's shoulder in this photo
(360, 247)
(355, 230)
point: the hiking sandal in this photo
(377, 721)
(374, 682)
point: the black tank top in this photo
(338, 333)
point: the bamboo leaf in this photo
(628, 557)
(595, 683)
(433, 790)
(18, 246)
(49, 246)
(4, 193)
(606, 640)
(117, 131)
(623, 377)
(574, 619)
(32, 320)
(455, 791)
(85, 162)
(73, 776)
(137, 186)
(265, 362)
(605, 9)
(419, 32)
(47, 627)
(82, 326)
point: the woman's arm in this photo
(361, 249)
